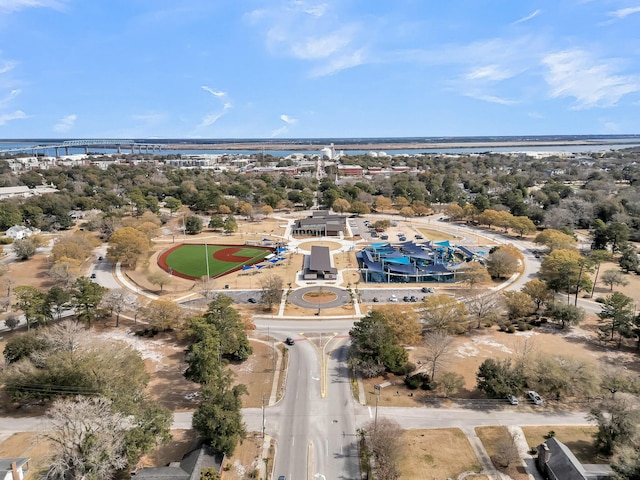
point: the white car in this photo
(512, 399)
(393, 298)
(534, 397)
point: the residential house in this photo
(556, 462)
(190, 468)
(13, 468)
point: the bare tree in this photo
(205, 285)
(271, 290)
(484, 308)
(66, 336)
(159, 278)
(506, 451)
(88, 437)
(117, 301)
(438, 345)
(613, 277)
(383, 438)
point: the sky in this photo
(318, 69)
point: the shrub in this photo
(6, 240)
(405, 369)
(510, 329)
(12, 322)
(418, 380)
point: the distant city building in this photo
(350, 170)
(25, 192)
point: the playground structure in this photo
(410, 262)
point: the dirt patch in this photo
(181, 443)
(319, 297)
(320, 243)
(291, 310)
(578, 439)
(245, 460)
(436, 453)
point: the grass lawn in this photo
(578, 439)
(192, 259)
(491, 439)
(436, 453)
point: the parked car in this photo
(406, 298)
(100, 258)
(419, 237)
(427, 290)
(289, 341)
(374, 234)
(413, 298)
(281, 477)
(375, 300)
(534, 397)
(394, 224)
(252, 300)
(384, 236)
(93, 275)
(512, 399)
(393, 298)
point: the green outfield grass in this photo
(191, 259)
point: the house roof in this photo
(5, 463)
(188, 469)
(321, 260)
(562, 462)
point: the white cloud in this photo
(7, 117)
(12, 94)
(15, 5)
(65, 123)
(320, 47)
(215, 93)
(624, 12)
(492, 99)
(210, 119)
(489, 72)
(340, 63)
(279, 131)
(528, 17)
(288, 120)
(536, 115)
(7, 67)
(592, 82)
(317, 10)
(227, 105)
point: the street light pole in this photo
(375, 419)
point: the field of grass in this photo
(191, 260)
(492, 438)
(436, 453)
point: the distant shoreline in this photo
(259, 146)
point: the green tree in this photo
(555, 240)
(193, 225)
(617, 424)
(22, 346)
(173, 204)
(561, 270)
(616, 315)
(204, 354)
(373, 346)
(359, 208)
(58, 300)
(497, 378)
(628, 259)
(617, 235)
(86, 297)
(151, 427)
(566, 315)
(340, 205)
(24, 249)
(32, 302)
(10, 215)
(227, 321)
(218, 418)
(522, 225)
(216, 222)
(230, 224)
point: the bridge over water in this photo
(107, 144)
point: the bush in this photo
(510, 329)
(12, 322)
(523, 326)
(418, 380)
(6, 240)
(550, 434)
(405, 369)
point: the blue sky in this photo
(334, 68)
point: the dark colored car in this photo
(93, 275)
(100, 258)
(289, 341)
(419, 237)
(375, 300)
(413, 298)
(406, 298)
(252, 300)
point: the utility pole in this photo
(375, 418)
(263, 415)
